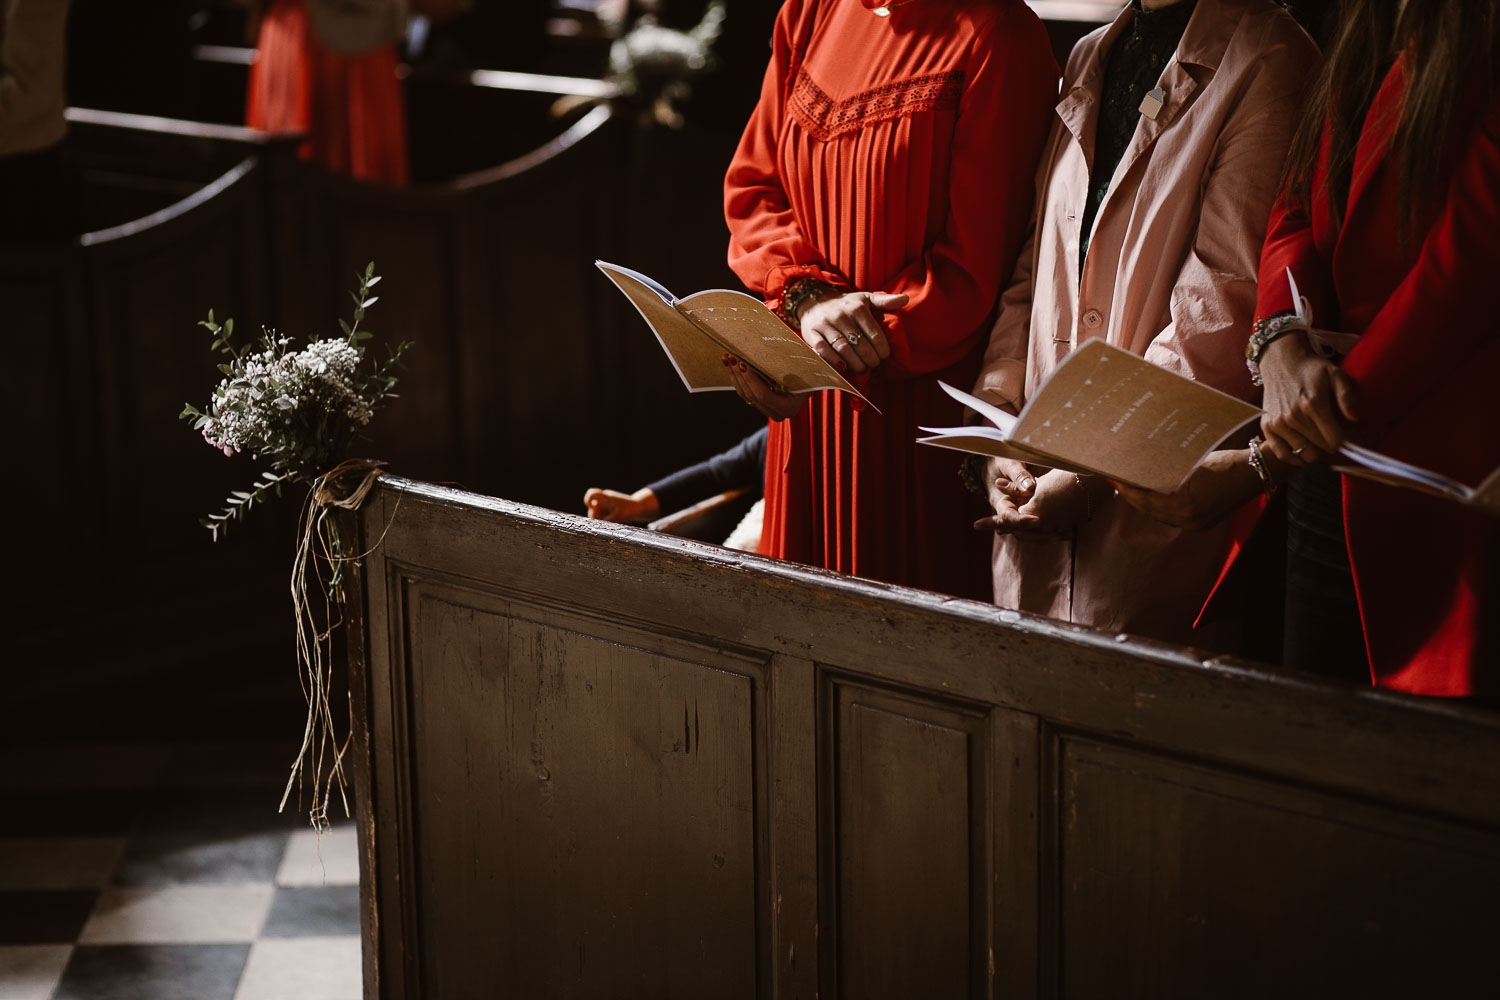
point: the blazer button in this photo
(1092, 318)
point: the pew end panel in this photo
(598, 758)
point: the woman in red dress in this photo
(878, 198)
(331, 73)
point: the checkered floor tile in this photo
(125, 875)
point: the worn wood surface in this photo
(607, 762)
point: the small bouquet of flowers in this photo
(298, 411)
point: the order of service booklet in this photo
(1393, 472)
(1106, 412)
(697, 331)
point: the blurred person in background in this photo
(38, 188)
(328, 68)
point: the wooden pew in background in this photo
(594, 761)
(531, 375)
(103, 351)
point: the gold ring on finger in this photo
(853, 338)
(836, 341)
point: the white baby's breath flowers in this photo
(296, 411)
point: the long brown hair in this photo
(1451, 48)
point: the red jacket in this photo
(1426, 570)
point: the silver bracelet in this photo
(1258, 463)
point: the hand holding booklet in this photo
(696, 332)
(1106, 412)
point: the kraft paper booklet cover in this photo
(1107, 412)
(698, 330)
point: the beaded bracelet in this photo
(797, 294)
(1263, 332)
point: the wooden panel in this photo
(948, 799)
(908, 839)
(48, 402)
(596, 800)
(1181, 881)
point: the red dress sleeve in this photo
(766, 248)
(1002, 123)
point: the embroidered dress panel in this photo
(900, 158)
(823, 118)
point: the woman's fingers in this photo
(885, 301)
(848, 328)
(1286, 443)
(1011, 478)
(754, 390)
(813, 337)
(873, 346)
(840, 334)
(1345, 392)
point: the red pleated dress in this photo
(349, 106)
(893, 154)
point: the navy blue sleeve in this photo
(744, 465)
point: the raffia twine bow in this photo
(320, 761)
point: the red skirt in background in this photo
(349, 106)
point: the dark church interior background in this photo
(150, 710)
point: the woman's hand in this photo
(1007, 478)
(1305, 397)
(845, 330)
(1057, 504)
(1224, 483)
(758, 392)
(608, 505)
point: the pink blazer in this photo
(1170, 274)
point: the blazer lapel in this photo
(1202, 48)
(1079, 107)
(1375, 137)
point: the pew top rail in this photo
(1429, 755)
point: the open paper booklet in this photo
(1112, 413)
(1392, 472)
(1106, 412)
(697, 331)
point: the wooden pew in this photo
(596, 761)
(102, 332)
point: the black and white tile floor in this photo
(120, 894)
(141, 854)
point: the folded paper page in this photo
(1107, 412)
(697, 331)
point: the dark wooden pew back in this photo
(595, 761)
